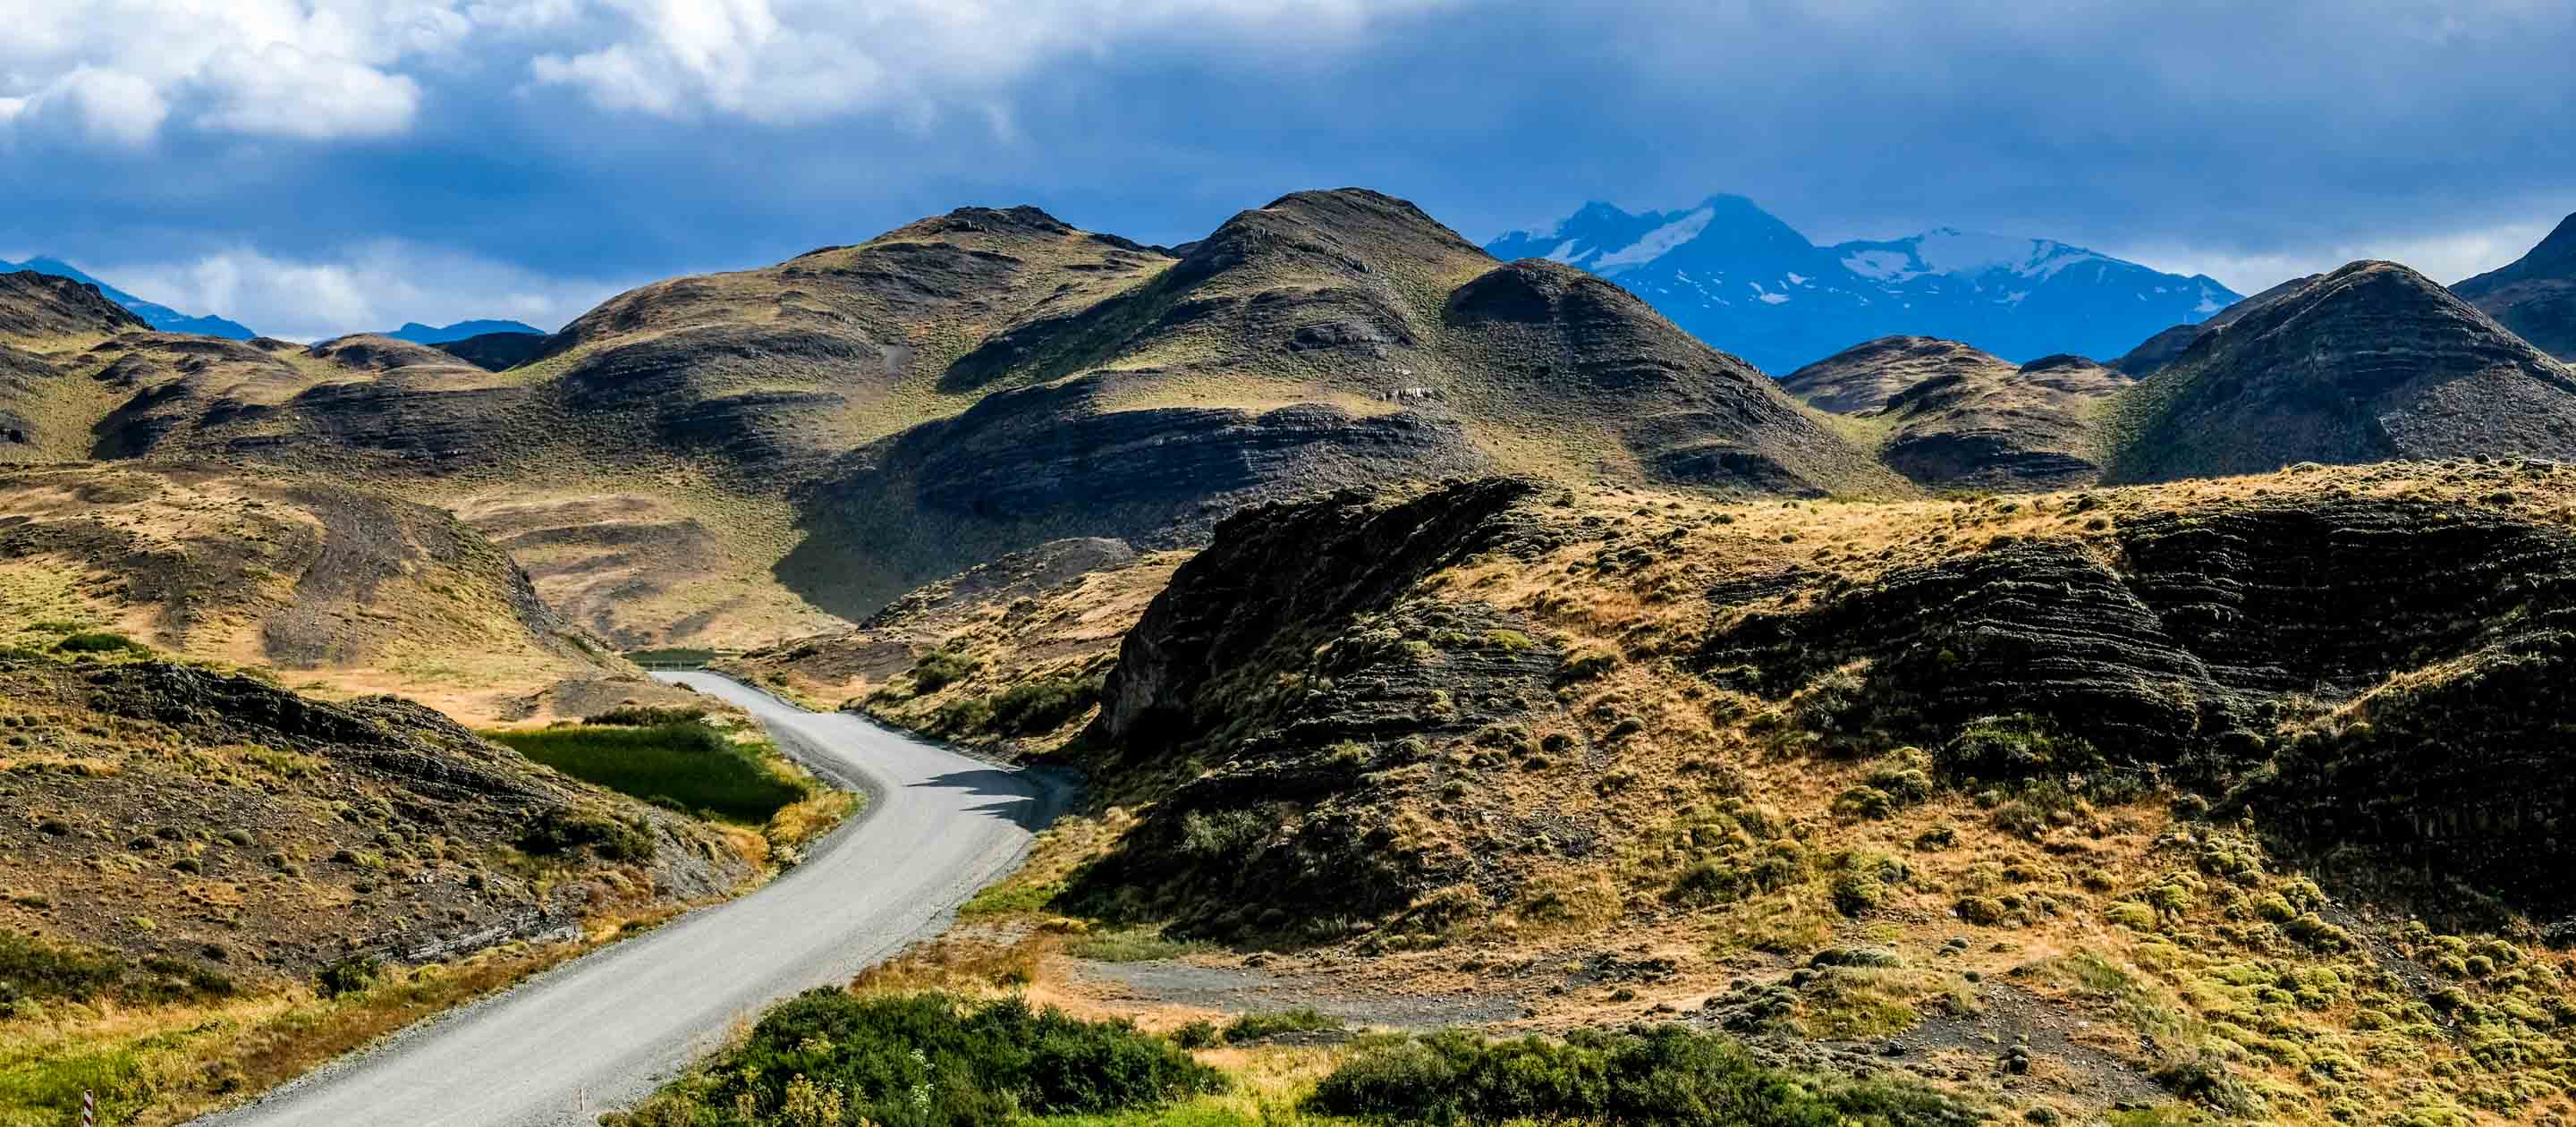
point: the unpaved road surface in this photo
(601, 1032)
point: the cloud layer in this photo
(589, 139)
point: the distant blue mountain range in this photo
(158, 316)
(1740, 279)
(418, 333)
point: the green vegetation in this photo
(647, 715)
(939, 670)
(100, 642)
(1133, 945)
(685, 766)
(924, 1060)
(1664, 1075)
(1264, 1026)
(35, 970)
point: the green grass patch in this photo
(687, 766)
(925, 1060)
(1133, 945)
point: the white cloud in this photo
(2446, 257)
(117, 71)
(369, 288)
(802, 60)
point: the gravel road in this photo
(601, 1032)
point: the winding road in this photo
(601, 1032)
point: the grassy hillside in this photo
(344, 590)
(209, 884)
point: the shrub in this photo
(941, 669)
(1264, 1026)
(348, 976)
(560, 830)
(1664, 1075)
(929, 1060)
(100, 642)
(2018, 746)
(648, 715)
(1200, 1034)
(1042, 706)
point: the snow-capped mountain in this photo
(1745, 282)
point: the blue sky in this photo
(316, 166)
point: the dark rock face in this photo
(2188, 646)
(1295, 653)
(2158, 352)
(2536, 295)
(1036, 464)
(34, 305)
(2368, 363)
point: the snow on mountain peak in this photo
(1656, 242)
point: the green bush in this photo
(348, 976)
(648, 715)
(1662, 1075)
(928, 1060)
(1263, 1026)
(100, 642)
(558, 831)
(685, 765)
(1042, 706)
(939, 670)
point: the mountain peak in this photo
(2535, 296)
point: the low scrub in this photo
(1265, 1026)
(685, 766)
(924, 1060)
(1663, 1075)
(37, 970)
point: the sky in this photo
(312, 167)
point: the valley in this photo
(1354, 634)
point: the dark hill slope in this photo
(2019, 428)
(1862, 378)
(43, 307)
(2165, 347)
(2370, 362)
(2536, 295)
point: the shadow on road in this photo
(1019, 806)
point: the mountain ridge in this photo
(157, 315)
(1745, 281)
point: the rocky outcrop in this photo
(1296, 655)
(2535, 296)
(2197, 640)
(2369, 363)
